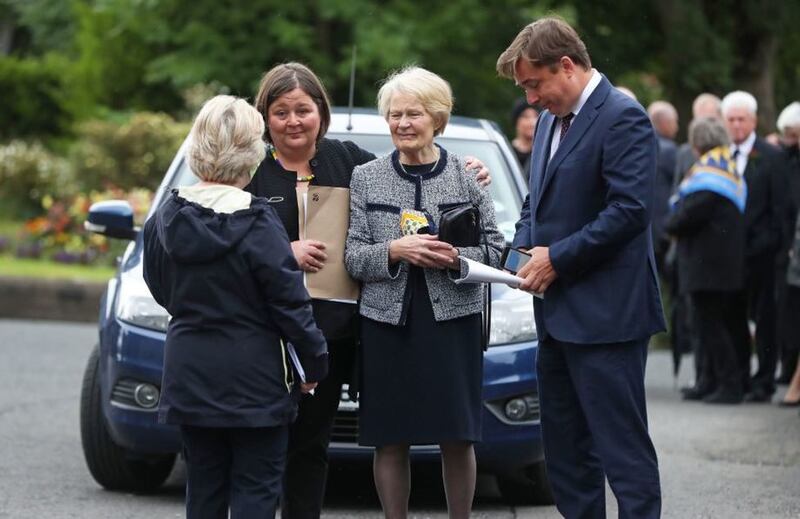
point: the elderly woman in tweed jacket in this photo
(421, 351)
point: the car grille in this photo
(345, 423)
(123, 392)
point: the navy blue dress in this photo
(421, 382)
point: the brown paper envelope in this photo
(327, 219)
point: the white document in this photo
(296, 363)
(477, 272)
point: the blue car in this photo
(127, 449)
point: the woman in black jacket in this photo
(220, 262)
(297, 112)
(708, 221)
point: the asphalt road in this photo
(716, 462)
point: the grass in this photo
(19, 267)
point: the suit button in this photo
(314, 162)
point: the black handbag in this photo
(460, 226)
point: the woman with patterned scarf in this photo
(708, 221)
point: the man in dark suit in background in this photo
(587, 224)
(762, 167)
(664, 118)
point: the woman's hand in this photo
(484, 177)
(423, 250)
(310, 254)
(308, 387)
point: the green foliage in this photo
(127, 155)
(28, 172)
(36, 88)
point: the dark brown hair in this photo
(284, 78)
(543, 43)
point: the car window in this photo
(507, 202)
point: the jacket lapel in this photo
(541, 150)
(582, 122)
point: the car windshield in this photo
(507, 201)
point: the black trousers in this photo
(238, 468)
(721, 362)
(309, 435)
(763, 310)
(594, 425)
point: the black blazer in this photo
(333, 167)
(710, 231)
(766, 201)
(791, 158)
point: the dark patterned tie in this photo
(565, 122)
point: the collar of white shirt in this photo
(744, 152)
(587, 91)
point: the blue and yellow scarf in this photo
(715, 171)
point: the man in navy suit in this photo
(587, 224)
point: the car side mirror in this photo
(112, 218)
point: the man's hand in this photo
(538, 273)
(310, 254)
(308, 387)
(483, 177)
(423, 250)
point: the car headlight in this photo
(136, 306)
(512, 318)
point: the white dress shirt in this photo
(744, 152)
(587, 91)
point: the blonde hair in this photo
(225, 142)
(431, 90)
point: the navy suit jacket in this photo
(591, 205)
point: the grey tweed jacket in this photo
(379, 191)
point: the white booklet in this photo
(296, 363)
(477, 272)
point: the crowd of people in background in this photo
(726, 236)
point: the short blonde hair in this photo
(225, 142)
(431, 90)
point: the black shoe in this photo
(783, 379)
(695, 393)
(723, 396)
(758, 395)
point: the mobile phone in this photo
(514, 259)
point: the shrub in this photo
(28, 172)
(128, 155)
(33, 98)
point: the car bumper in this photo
(509, 371)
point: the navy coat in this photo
(236, 295)
(591, 205)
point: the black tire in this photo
(112, 466)
(526, 487)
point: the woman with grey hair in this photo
(708, 222)
(218, 259)
(420, 332)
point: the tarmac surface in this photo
(716, 461)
